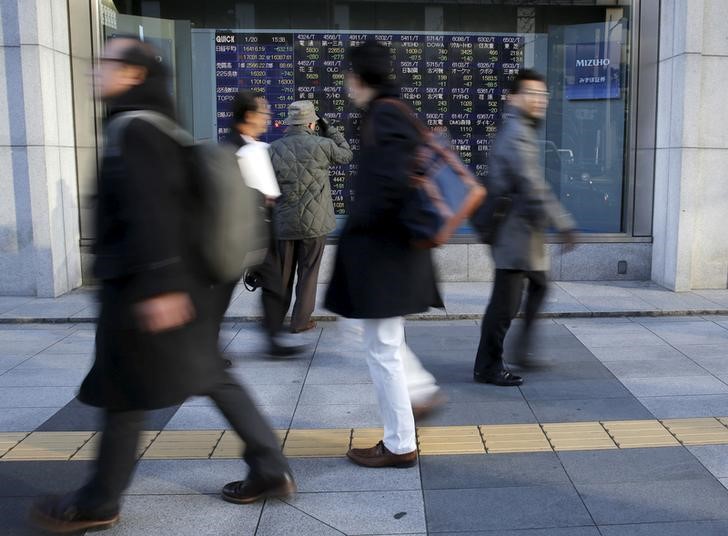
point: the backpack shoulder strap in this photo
(119, 122)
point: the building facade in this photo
(633, 144)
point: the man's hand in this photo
(323, 125)
(569, 240)
(164, 312)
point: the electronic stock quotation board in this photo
(455, 82)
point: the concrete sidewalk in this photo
(630, 377)
(463, 301)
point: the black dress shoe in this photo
(252, 490)
(502, 378)
(63, 515)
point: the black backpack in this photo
(227, 215)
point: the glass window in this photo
(454, 60)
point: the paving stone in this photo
(185, 515)
(23, 479)
(680, 528)
(339, 474)
(496, 412)
(336, 416)
(42, 377)
(359, 513)
(689, 385)
(507, 508)
(573, 389)
(470, 392)
(496, 471)
(7, 363)
(588, 370)
(23, 348)
(361, 393)
(570, 531)
(630, 353)
(185, 477)
(281, 519)
(631, 465)
(638, 368)
(685, 333)
(14, 513)
(713, 457)
(43, 360)
(596, 335)
(644, 502)
(276, 373)
(679, 407)
(24, 419)
(210, 418)
(596, 409)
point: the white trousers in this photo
(399, 380)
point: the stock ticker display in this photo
(456, 83)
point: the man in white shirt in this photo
(251, 116)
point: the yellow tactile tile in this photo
(88, 451)
(724, 420)
(362, 438)
(450, 440)
(48, 446)
(639, 434)
(183, 444)
(706, 431)
(578, 436)
(502, 438)
(317, 443)
(9, 439)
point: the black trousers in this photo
(273, 294)
(117, 454)
(502, 309)
(302, 257)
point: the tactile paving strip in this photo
(9, 439)
(578, 436)
(639, 434)
(706, 431)
(502, 438)
(48, 446)
(183, 444)
(88, 451)
(317, 443)
(437, 440)
(450, 440)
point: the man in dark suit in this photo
(519, 249)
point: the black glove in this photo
(323, 125)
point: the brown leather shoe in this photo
(62, 515)
(435, 402)
(308, 327)
(250, 491)
(380, 456)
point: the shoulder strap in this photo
(119, 122)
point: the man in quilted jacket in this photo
(304, 214)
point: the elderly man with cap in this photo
(304, 213)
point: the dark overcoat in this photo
(377, 272)
(142, 251)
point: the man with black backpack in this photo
(156, 338)
(523, 208)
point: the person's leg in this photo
(272, 292)
(502, 308)
(96, 505)
(535, 296)
(421, 385)
(115, 463)
(288, 252)
(310, 253)
(270, 475)
(262, 447)
(384, 339)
